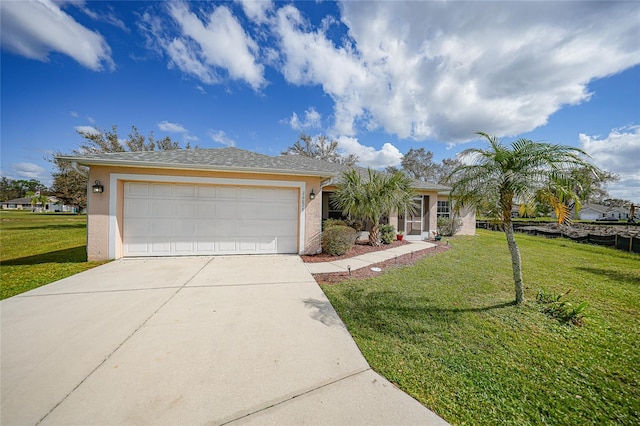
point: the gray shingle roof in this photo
(226, 159)
(210, 159)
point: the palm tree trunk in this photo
(374, 235)
(516, 262)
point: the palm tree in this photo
(373, 195)
(38, 200)
(500, 175)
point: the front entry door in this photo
(413, 223)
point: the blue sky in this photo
(379, 77)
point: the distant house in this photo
(17, 204)
(599, 212)
(54, 205)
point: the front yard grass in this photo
(39, 248)
(447, 332)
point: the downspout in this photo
(74, 165)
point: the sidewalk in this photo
(367, 259)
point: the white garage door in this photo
(174, 219)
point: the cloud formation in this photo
(441, 70)
(34, 29)
(87, 129)
(167, 126)
(205, 48)
(312, 120)
(219, 136)
(620, 152)
(26, 170)
(368, 156)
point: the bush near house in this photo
(387, 234)
(448, 226)
(338, 239)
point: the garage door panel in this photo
(226, 210)
(188, 219)
(161, 190)
(137, 189)
(137, 208)
(184, 247)
(205, 247)
(184, 228)
(227, 192)
(184, 191)
(205, 192)
(183, 210)
(205, 209)
(137, 227)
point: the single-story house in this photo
(223, 201)
(24, 203)
(597, 211)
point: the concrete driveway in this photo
(194, 340)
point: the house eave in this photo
(195, 167)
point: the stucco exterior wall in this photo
(468, 222)
(102, 215)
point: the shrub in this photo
(330, 223)
(561, 310)
(448, 226)
(338, 239)
(387, 234)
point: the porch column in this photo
(393, 219)
(433, 213)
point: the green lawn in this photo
(39, 248)
(446, 332)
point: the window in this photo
(443, 209)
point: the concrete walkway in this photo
(366, 259)
(194, 340)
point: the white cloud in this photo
(368, 156)
(205, 47)
(87, 129)
(312, 120)
(256, 10)
(619, 152)
(221, 137)
(188, 138)
(443, 70)
(167, 126)
(28, 171)
(110, 17)
(74, 114)
(35, 28)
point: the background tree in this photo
(321, 148)
(70, 184)
(373, 195)
(419, 165)
(501, 174)
(18, 188)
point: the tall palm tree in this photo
(373, 195)
(500, 175)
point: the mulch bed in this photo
(359, 248)
(366, 272)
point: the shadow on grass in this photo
(395, 314)
(474, 309)
(70, 255)
(626, 277)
